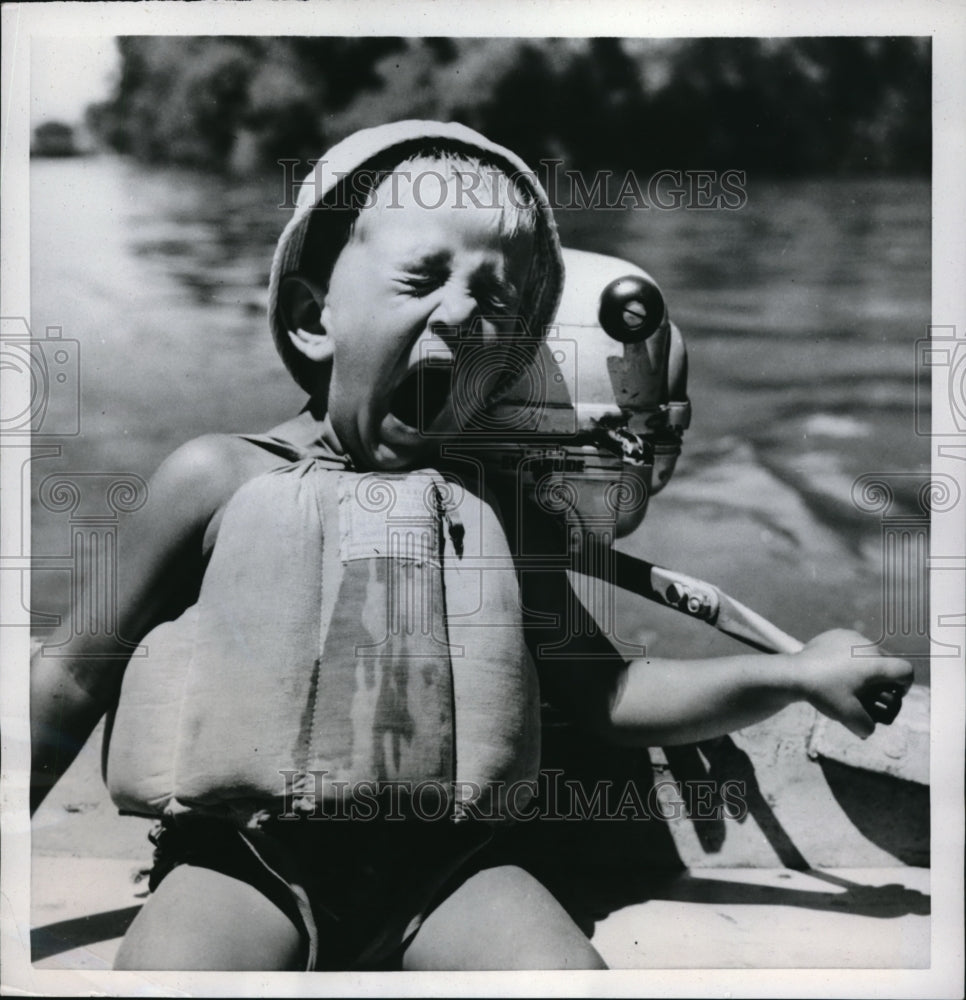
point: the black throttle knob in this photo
(631, 309)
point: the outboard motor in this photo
(593, 427)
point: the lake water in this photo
(801, 313)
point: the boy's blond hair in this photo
(356, 173)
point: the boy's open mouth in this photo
(421, 396)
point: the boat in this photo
(55, 139)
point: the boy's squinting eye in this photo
(419, 284)
(492, 295)
(496, 296)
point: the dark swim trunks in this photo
(356, 890)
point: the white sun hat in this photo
(382, 147)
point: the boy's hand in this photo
(845, 686)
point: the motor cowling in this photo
(593, 427)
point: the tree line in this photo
(786, 107)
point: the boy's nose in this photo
(456, 309)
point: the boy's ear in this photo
(300, 303)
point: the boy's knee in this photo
(199, 919)
(501, 918)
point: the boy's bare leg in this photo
(500, 918)
(201, 919)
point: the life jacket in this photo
(354, 633)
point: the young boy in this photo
(314, 662)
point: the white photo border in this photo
(945, 23)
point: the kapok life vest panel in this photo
(344, 635)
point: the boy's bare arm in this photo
(667, 702)
(662, 702)
(160, 563)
